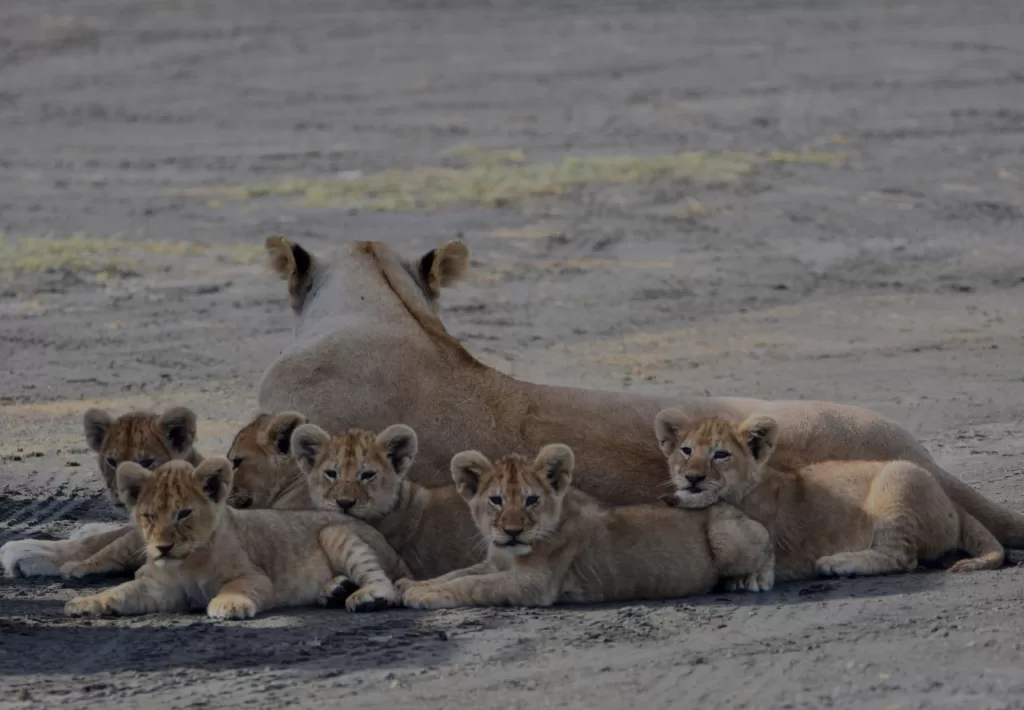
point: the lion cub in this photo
(364, 475)
(146, 438)
(839, 518)
(237, 563)
(266, 474)
(549, 542)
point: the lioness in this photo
(146, 438)
(364, 474)
(550, 542)
(834, 518)
(367, 325)
(237, 563)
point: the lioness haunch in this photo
(834, 518)
(549, 542)
(236, 563)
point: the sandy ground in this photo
(859, 240)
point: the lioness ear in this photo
(97, 423)
(179, 427)
(280, 429)
(131, 478)
(759, 433)
(667, 428)
(441, 267)
(293, 264)
(467, 469)
(557, 462)
(400, 445)
(307, 443)
(214, 475)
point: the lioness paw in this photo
(373, 597)
(95, 605)
(336, 592)
(424, 596)
(28, 558)
(756, 582)
(231, 606)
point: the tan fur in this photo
(364, 474)
(236, 563)
(549, 542)
(370, 350)
(266, 475)
(835, 518)
(146, 438)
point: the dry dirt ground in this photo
(779, 199)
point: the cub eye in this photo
(720, 455)
(531, 501)
(235, 463)
(686, 450)
(331, 475)
(148, 517)
(183, 514)
(146, 463)
(112, 462)
(496, 500)
(367, 476)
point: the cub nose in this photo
(695, 478)
(513, 532)
(345, 503)
(164, 550)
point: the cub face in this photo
(711, 458)
(145, 438)
(177, 507)
(261, 459)
(515, 502)
(359, 472)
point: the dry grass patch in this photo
(496, 179)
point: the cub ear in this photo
(280, 429)
(214, 476)
(179, 427)
(668, 428)
(443, 266)
(293, 264)
(97, 423)
(308, 441)
(467, 469)
(557, 461)
(400, 445)
(131, 478)
(760, 434)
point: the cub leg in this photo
(357, 562)
(475, 570)
(44, 558)
(93, 529)
(511, 588)
(980, 544)
(126, 554)
(241, 598)
(911, 514)
(742, 549)
(148, 595)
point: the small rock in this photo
(442, 635)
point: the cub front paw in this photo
(842, 564)
(336, 592)
(756, 582)
(423, 596)
(75, 570)
(231, 606)
(373, 597)
(95, 605)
